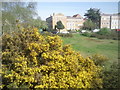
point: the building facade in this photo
(75, 22)
(109, 21)
(70, 23)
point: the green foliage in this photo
(59, 34)
(88, 24)
(86, 34)
(94, 15)
(38, 23)
(30, 60)
(65, 34)
(59, 25)
(21, 12)
(45, 34)
(111, 77)
(12, 11)
(104, 31)
(99, 59)
(73, 31)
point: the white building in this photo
(109, 21)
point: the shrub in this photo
(112, 34)
(47, 33)
(111, 77)
(65, 34)
(72, 31)
(104, 31)
(55, 34)
(87, 34)
(30, 60)
(99, 59)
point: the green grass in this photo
(88, 46)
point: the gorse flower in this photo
(31, 60)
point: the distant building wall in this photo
(119, 15)
(105, 21)
(70, 23)
(58, 17)
(114, 22)
(75, 22)
(109, 21)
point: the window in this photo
(104, 18)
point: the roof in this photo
(109, 14)
(77, 15)
(69, 17)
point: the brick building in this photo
(74, 22)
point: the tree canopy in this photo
(89, 25)
(22, 12)
(59, 25)
(94, 15)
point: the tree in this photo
(94, 15)
(12, 11)
(22, 12)
(30, 60)
(89, 25)
(59, 25)
(38, 23)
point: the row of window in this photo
(74, 21)
(69, 24)
(111, 23)
(105, 23)
(109, 18)
(105, 18)
(114, 27)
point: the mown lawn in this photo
(88, 46)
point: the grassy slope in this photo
(89, 46)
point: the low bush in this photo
(47, 33)
(59, 34)
(73, 31)
(104, 31)
(111, 35)
(99, 59)
(87, 34)
(65, 34)
(111, 77)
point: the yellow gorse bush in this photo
(30, 60)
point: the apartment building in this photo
(74, 22)
(109, 21)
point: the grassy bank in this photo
(89, 46)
